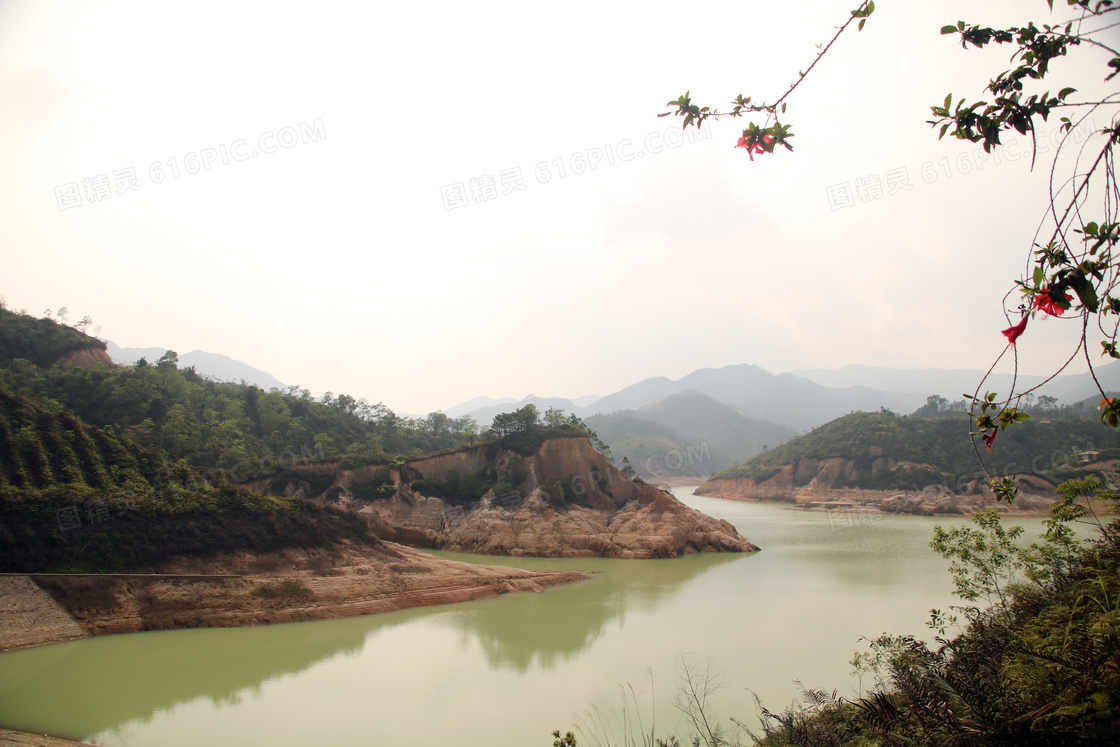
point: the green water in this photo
(508, 671)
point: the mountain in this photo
(635, 396)
(954, 383)
(655, 451)
(476, 403)
(485, 415)
(793, 401)
(211, 365)
(700, 416)
(697, 435)
(914, 464)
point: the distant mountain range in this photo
(213, 365)
(953, 383)
(737, 410)
(685, 435)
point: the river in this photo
(507, 671)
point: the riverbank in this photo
(245, 589)
(9, 738)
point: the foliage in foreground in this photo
(1036, 662)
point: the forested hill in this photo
(43, 342)
(887, 451)
(76, 498)
(106, 467)
(209, 424)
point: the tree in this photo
(169, 361)
(935, 404)
(554, 418)
(508, 423)
(1070, 266)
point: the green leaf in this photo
(1039, 275)
(1088, 296)
(948, 30)
(1065, 92)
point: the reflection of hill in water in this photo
(130, 678)
(559, 624)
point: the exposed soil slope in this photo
(564, 500)
(288, 586)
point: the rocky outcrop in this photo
(812, 484)
(564, 500)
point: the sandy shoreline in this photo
(292, 586)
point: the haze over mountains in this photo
(212, 365)
(951, 384)
(736, 411)
(727, 414)
(801, 399)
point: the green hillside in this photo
(209, 424)
(937, 450)
(75, 498)
(652, 448)
(708, 435)
(39, 341)
(106, 467)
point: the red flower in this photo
(1046, 300)
(988, 438)
(757, 147)
(1012, 333)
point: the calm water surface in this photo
(508, 671)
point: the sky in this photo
(426, 202)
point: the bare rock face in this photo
(564, 500)
(811, 484)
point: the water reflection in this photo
(127, 677)
(506, 670)
(132, 678)
(545, 629)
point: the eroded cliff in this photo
(813, 484)
(563, 500)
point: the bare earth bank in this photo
(288, 586)
(9, 738)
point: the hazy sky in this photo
(331, 192)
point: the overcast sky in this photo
(396, 203)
